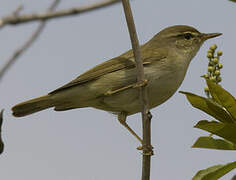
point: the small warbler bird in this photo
(111, 86)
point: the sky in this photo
(90, 144)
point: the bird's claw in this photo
(148, 150)
(141, 84)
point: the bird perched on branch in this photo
(112, 85)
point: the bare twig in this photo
(1, 142)
(146, 115)
(28, 43)
(13, 20)
(18, 10)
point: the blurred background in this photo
(90, 144)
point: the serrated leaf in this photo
(223, 97)
(214, 172)
(212, 143)
(224, 130)
(208, 107)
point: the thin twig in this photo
(1, 141)
(28, 43)
(146, 115)
(13, 20)
(18, 10)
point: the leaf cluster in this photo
(221, 105)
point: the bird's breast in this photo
(164, 80)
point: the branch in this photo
(13, 20)
(1, 142)
(146, 115)
(28, 43)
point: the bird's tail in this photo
(32, 106)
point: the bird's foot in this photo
(140, 84)
(147, 150)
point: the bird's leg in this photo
(122, 119)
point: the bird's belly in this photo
(160, 89)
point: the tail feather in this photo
(32, 106)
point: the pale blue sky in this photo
(89, 144)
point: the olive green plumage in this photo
(110, 86)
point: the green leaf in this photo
(224, 115)
(233, 0)
(214, 96)
(223, 97)
(214, 172)
(224, 130)
(211, 143)
(208, 107)
(203, 173)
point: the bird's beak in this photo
(209, 36)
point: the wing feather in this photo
(124, 61)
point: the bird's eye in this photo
(188, 36)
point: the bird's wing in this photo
(124, 61)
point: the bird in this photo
(112, 85)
